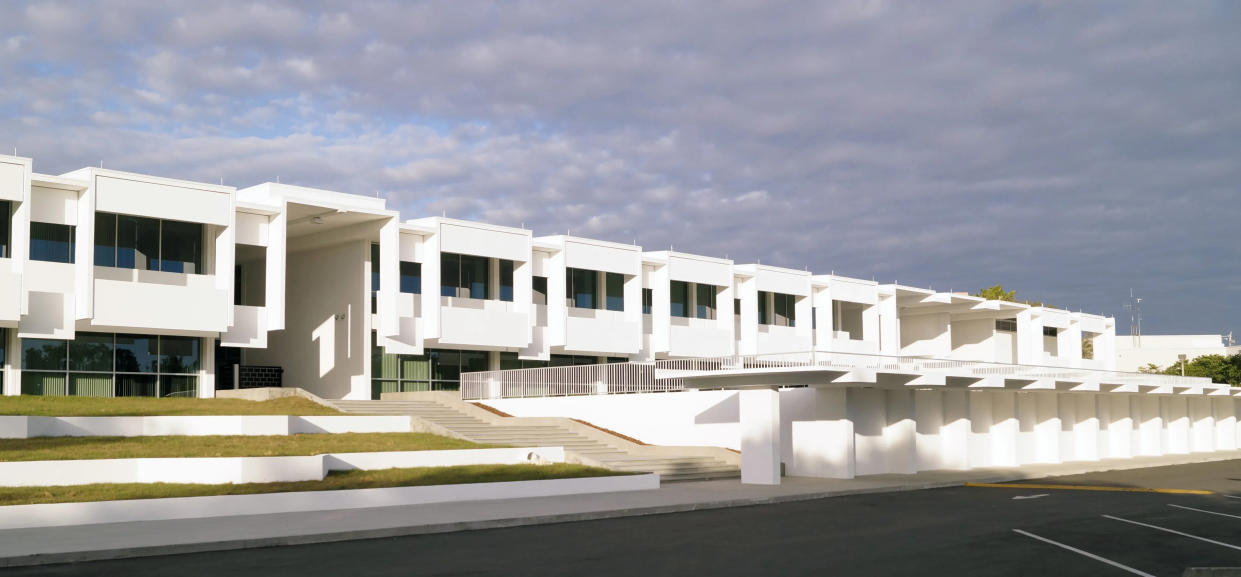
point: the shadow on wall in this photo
(726, 411)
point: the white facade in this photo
(1165, 350)
(350, 300)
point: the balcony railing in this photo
(668, 375)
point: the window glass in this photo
(450, 274)
(680, 298)
(178, 355)
(614, 285)
(136, 385)
(374, 267)
(506, 280)
(474, 276)
(445, 365)
(137, 242)
(48, 384)
(4, 341)
(5, 226)
(179, 386)
(411, 277)
(704, 307)
(136, 354)
(538, 286)
(90, 384)
(51, 242)
(91, 352)
(763, 308)
(181, 247)
(46, 354)
(582, 289)
(105, 239)
(648, 300)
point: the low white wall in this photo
(220, 470)
(841, 433)
(61, 514)
(21, 427)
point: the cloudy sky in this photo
(1071, 151)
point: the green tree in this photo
(997, 293)
(1218, 368)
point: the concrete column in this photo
(823, 446)
(1225, 424)
(899, 435)
(1027, 425)
(929, 446)
(206, 371)
(869, 415)
(955, 434)
(1149, 425)
(979, 407)
(1175, 413)
(760, 436)
(1202, 424)
(1119, 426)
(1004, 429)
(1084, 428)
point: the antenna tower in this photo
(1134, 307)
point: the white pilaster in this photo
(760, 436)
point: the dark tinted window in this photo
(181, 247)
(51, 242)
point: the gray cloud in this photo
(1071, 151)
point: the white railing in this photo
(667, 375)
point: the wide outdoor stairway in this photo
(588, 446)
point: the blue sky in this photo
(1071, 151)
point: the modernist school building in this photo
(116, 284)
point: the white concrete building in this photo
(347, 299)
(1133, 353)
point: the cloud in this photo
(1071, 151)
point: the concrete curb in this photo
(379, 533)
(385, 532)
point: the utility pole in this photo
(1135, 319)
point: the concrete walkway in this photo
(111, 541)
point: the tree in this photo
(1219, 368)
(1087, 348)
(997, 293)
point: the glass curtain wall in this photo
(108, 365)
(434, 370)
(126, 241)
(466, 276)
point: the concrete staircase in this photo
(445, 414)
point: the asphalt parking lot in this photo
(1088, 525)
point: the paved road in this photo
(957, 531)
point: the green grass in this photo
(70, 448)
(336, 481)
(145, 406)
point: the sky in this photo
(1070, 151)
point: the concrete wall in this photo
(325, 347)
(843, 432)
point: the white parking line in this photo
(1175, 532)
(1233, 496)
(1086, 553)
(1204, 511)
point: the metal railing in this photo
(668, 375)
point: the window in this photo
(572, 360)
(411, 277)
(785, 308)
(777, 309)
(847, 317)
(506, 280)
(51, 242)
(180, 246)
(614, 290)
(679, 298)
(137, 242)
(582, 288)
(510, 361)
(5, 227)
(737, 307)
(648, 300)
(704, 305)
(435, 370)
(538, 286)
(4, 343)
(1006, 325)
(108, 365)
(1050, 331)
(464, 276)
